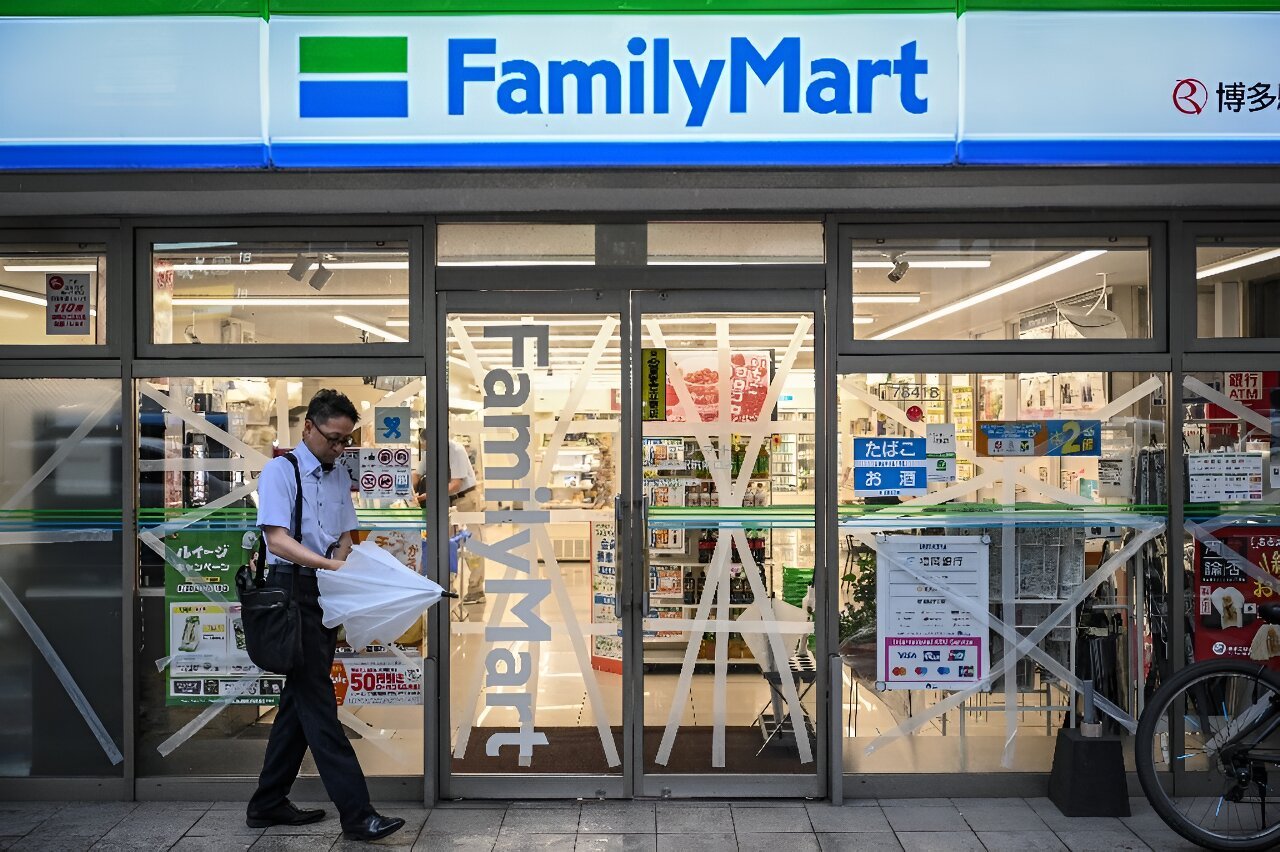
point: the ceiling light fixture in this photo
(924, 261)
(22, 296)
(1237, 262)
(66, 267)
(320, 277)
(285, 267)
(859, 319)
(298, 270)
(991, 293)
(397, 323)
(900, 268)
(370, 328)
(292, 302)
(886, 298)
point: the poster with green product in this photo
(205, 639)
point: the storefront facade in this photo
(888, 373)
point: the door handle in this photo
(617, 563)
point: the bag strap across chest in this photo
(259, 576)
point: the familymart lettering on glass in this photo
(507, 434)
(657, 82)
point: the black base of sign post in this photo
(1088, 776)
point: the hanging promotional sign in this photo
(925, 638)
(1224, 477)
(746, 386)
(653, 383)
(377, 678)
(1039, 438)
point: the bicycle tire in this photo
(1198, 676)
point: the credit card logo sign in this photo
(353, 76)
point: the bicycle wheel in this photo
(1229, 793)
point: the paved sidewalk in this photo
(772, 826)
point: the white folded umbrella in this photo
(374, 596)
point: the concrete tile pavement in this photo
(927, 825)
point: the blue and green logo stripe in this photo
(353, 77)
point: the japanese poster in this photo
(1039, 438)
(66, 309)
(1224, 477)
(376, 678)
(384, 473)
(606, 648)
(1227, 598)
(747, 385)
(925, 639)
(205, 638)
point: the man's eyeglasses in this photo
(335, 440)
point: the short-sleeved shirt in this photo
(327, 511)
(459, 466)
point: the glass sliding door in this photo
(728, 461)
(534, 440)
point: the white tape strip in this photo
(55, 536)
(379, 738)
(551, 452)
(416, 665)
(720, 679)
(198, 423)
(66, 447)
(60, 671)
(1025, 646)
(189, 730)
(404, 394)
(1219, 547)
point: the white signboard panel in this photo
(66, 309)
(1119, 87)
(384, 473)
(924, 638)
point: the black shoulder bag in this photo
(270, 614)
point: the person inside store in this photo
(308, 712)
(465, 496)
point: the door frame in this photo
(515, 785)
(633, 782)
(694, 785)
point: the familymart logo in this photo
(353, 77)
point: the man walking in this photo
(308, 712)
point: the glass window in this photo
(201, 445)
(1006, 289)
(1040, 503)
(53, 295)
(60, 555)
(248, 292)
(1237, 288)
(515, 244)
(733, 243)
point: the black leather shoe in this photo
(373, 827)
(284, 814)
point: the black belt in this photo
(291, 568)
(453, 498)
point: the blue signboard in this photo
(890, 467)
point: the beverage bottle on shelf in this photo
(688, 586)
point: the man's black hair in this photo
(328, 404)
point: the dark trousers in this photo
(308, 716)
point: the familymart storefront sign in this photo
(553, 90)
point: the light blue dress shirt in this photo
(327, 511)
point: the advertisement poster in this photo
(384, 473)
(606, 648)
(940, 447)
(1039, 438)
(747, 385)
(924, 639)
(1226, 605)
(205, 640)
(664, 453)
(1224, 477)
(654, 389)
(890, 467)
(377, 677)
(66, 309)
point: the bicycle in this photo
(1227, 746)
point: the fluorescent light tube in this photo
(991, 293)
(66, 267)
(22, 296)
(1234, 263)
(886, 298)
(369, 327)
(925, 261)
(397, 323)
(862, 320)
(291, 302)
(285, 267)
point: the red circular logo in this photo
(368, 482)
(1190, 96)
(915, 413)
(55, 282)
